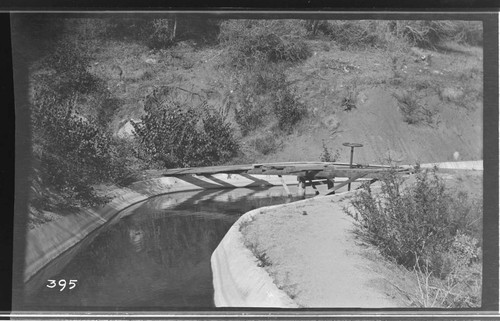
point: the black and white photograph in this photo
(186, 161)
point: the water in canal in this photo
(156, 256)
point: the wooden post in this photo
(301, 187)
(352, 145)
(285, 186)
(349, 181)
(316, 192)
(330, 183)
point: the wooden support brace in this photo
(316, 192)
(349, 181)
(301, 188)
(373, 180)
(285, 186)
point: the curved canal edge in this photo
(48, 241)
(238, 280)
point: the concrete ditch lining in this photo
(239, 281)
(48, 241)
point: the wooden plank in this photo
(207, 170)
(312, 170)
(352, 179)
(371, 181)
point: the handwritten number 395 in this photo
(62, 283)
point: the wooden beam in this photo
(352, 179)
(373, 180)
(301, 186)
(309, 171)
(285, 186)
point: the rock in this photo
(362, 97)
(331, 122)
(451, 94)
(127, 130)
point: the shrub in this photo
(71, 150)
(327, 156)
(351, 97)
(429, 33)
(397, 34)
(262, 92)
(419, 222)
(275, 40)
(413, 112)
(162, 33)
(288, 110)
(176, 136)
(267, 144)
(75, 154)
(353, 33)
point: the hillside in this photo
(210, 92)
(321, 82)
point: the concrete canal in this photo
(155, 255)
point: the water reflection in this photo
(156, 257)
(136, 236)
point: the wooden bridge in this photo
(308, 173)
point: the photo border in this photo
(490, 147)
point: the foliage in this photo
(180, 136)
(414, 112)
(421, 222)
(327, 155)
(261, 92)
(355, 34)
(429, 33)
(274, 40)
(351, 97)
(71, 148)
(288, 110)
(267, 144)
(389, 33)
(162, 33)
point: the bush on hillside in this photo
(275, 40)
(288, 110)
(424, 225)
(262, 95)
(71, 149)
(173, 135)
(163, 33)
(429, 33)
(413, 111)
(327, 155)
(355, 34)
(386, 33)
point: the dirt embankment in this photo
(310, 252)
(450, 87)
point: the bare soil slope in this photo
(450, 86)
(312, 253)
(326, 266)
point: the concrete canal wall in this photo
(238, 280)
(50, 240)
